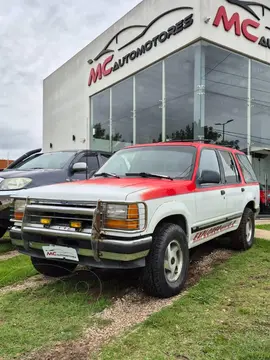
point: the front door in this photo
(92, 163)
(235, 192)
(210, 198)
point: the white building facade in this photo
(178, 69)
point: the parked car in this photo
(264, 199)
(145, 208)
(35, 169)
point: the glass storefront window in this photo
(226, 93)
(100, 114)
(179, 94)
(148, 105)
(122, 118)
(260, 110)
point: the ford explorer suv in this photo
(145, 208)
(36, 169)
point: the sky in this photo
(37, 37)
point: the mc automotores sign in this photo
(110, 64)
(244, 27)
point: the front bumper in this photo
(113, 253)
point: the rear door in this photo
(235, 196)
(251, 188)
(210, 198)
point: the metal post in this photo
(110, 124)
(249, 104)
(134, 110)
(164, 136)
(199, 92)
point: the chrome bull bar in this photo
(95, 235)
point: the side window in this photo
(246, 167)
(104, 158)
(91, 161)
(230, 170)
(208, 161)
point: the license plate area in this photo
(60, 252)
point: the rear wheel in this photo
(3, 230)
(243, 237)
(53, 268)
(167, 264)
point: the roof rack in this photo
(205, 141)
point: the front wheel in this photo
(243, 237)
(167, 264)
(53, 268)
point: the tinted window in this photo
(208, 161)
(91, 162)
(55, 160)
(229, 166)
(246, 167)
(174, 161)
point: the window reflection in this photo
(122, 118)
(180, 94)
(148, 105)
(260, 106)
(100, 106)
(226, 82)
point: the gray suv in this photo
(37, 169)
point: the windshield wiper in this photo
(149, 175)
(105, 174)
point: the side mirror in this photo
(209, 177)
(79, 167)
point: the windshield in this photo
(172, 161)
(54, 160)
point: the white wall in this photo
(66, 93)
(66, 105)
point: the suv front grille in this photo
(61, 214)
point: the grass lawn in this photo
(43, 316)
(225, 316)
(6, 236)
(264, 227)
(15, 269)
(6, 247)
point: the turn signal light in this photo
(18, 215)
(122, 224)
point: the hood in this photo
(110, 189)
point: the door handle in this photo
(222, 192)
(243, 189)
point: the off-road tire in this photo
(53, 268)
(238, 238)
(3, 230)
(154, 281)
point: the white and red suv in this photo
(145, 208)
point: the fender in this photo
(168, 209)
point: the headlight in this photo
(19, 208)
(124, 216)
(14, 183)
(1, 179)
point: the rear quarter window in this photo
(246, 168)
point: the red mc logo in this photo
(240, 28)
(100, 71)
(51, 253)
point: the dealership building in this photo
(178, 69)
